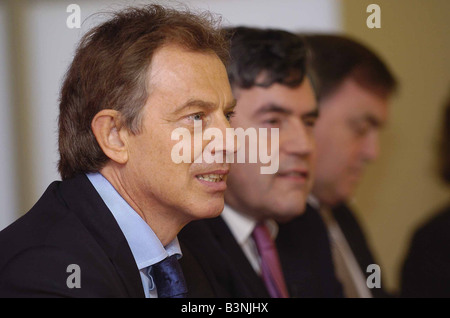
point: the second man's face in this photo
(281, 195)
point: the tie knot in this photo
(169, 278)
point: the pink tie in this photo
(270, 262)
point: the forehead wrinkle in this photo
(196, 103)
(203, 104)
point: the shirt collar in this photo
(147, 249)
(241, 225)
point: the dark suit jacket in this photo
(216, 266)
(358, 243)
(70, 224)
(426, 271)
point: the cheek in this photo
(196, 145)
(154, 155)
(246, 181)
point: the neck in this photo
(163, 222)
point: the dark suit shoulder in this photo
(222, 261)
(50, 271)
(435, 229)
(35, 226)
(204, 264)
(69, 224)
(305, 255)
(426, 269)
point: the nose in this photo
(223, 144)
(297, 140)
(371, 147)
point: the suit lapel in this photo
(353, 235)
(305, 255)
(82, 198)
(243, 271)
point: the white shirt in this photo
(241, 226)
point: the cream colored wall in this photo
(401, 189)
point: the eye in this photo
(272, 122)
(360, 128)
(196, 117)
(310, 121)
(230, 115)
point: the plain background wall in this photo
(398, 192)
(402, 188)
(8, 189)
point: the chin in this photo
(286, 213)
(209, 210)
(338, 199)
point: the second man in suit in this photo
(256, 248)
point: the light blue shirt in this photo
(147, 249)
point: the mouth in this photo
(294, 174)
(213, 180)
(211, 177)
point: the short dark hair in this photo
(110, 70)
(280, 55)
(336, 58)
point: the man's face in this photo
(186, 88)
(293, 111)
(347, 136)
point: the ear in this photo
(111, 137)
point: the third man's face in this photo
(293, 111)
(347, 136)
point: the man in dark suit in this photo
(426, 269)
(262, 245)
(354, 87)
(109, 229)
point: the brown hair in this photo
(336, 58)
(110, 70)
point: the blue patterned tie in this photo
(169, 278)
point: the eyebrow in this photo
(203, 104)
(372, 120)
(231, 105)
(274, 108)
(314, 113)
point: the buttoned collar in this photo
(242, 225)
(145, 246)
